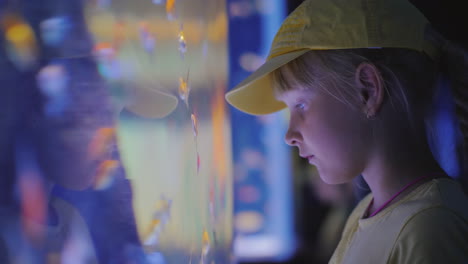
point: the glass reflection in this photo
(101, 162)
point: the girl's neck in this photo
(388, 175)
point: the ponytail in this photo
(453, 63)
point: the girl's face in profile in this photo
(330, 134)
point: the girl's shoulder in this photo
(441, 194)
(441, 204)
(437, 234)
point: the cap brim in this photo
(148, 102)
(255, 94)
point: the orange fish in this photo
(104, 51)
(152, 235)
(170, 9)
(194, 125)
(183, 89)
(205, 246)
(154, 224)
(160, 218)
(105, 173)
(182, 42)
(21, 42)
(205, 238)
(99, 144)
(162, 208)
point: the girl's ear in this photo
(370, 87)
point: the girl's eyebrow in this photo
(304, 94)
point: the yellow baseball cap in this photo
(326, 25)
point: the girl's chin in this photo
(332, 179)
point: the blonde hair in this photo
(409, 78)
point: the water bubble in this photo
(53, 30)
(52, 81)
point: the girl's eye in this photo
(300, 106)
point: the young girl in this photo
(358, 77)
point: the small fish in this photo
(170, 10)
(101, 141)
(155, 223)
(105, 173)
(108, 66)
(184, 89)
(104, 51)
(160, 218)
(194, 125)
(182, 42)
(152, 236)
(205, 247)
(205, 242)
(163, 209)
(21, 42)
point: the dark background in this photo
(449, 17)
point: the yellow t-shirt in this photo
(429, 225)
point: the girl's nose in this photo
(292, 137)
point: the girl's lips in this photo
(310, 158)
